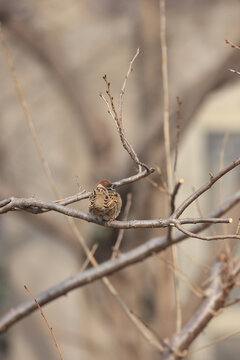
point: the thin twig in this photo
(134, 178)
(232, 302)
(213, 275)
(163, 187)
(174, 194)
(154, 336)
(165, 93)
(162, 180)
(221, 161)
(156, 185)
(130, 69)
(234, 71)
(73, 198)
(87, 261)
(121, 231)
(205, 187)
(200, 213)
(127, 146)
(207, 238)
(221, 166)
(46, 321)
(185, 278)
(167, 146)
(238, 227)
(194, 261)
(232, 45)
(117, 117)
(178, 124)
(216, 341)
(174, 253)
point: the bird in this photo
(104, 201)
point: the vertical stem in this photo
(174, 250)
(165, 93)
(168, 151)
(221, 166)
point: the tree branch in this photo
(207, 238)
(117, 117)
(38, 206)
(153, 246)
(223, 280)
(204, 188)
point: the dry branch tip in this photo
(232, 44)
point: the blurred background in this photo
(61, 49)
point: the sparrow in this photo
(104, 202)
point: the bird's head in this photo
(106, 184)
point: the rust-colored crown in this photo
(104, 183)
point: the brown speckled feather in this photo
(104, 203)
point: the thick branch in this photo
(223, 279)
(38, 206)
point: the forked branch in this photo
(223, 280)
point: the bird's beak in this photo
(111, 187)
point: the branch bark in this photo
(38, 206)
(223, 280)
